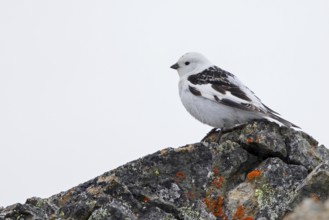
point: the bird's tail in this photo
(276, 118)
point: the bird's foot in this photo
(227, 130)
(216, 133)
(213, 135)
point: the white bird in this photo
(216, 97)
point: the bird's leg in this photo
(212, 136)
(227, 130)
(216, 133)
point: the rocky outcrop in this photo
(310, 209)
(257, 171)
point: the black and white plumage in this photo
(216, 97)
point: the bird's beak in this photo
(175, 66)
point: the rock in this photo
(310, 209)
(316, 185)
(256, 171)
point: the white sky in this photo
(86, 86)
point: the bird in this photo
(218, 98)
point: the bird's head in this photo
(191, 63)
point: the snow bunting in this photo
(216, 97)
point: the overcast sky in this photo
(85, 86)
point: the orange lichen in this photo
(146, 199)
(315, 197)
(213, 201)
(250, 140)
(217, 182)
(215, 206)
(253, 174)
(180, 175)
(66, 197)
(216, 171)
(240, 215)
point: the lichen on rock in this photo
(256, 171)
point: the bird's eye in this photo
(187, 63)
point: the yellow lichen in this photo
(156, 172)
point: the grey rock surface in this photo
(310, 209)
(256, 171)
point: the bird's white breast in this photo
(211, 112)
